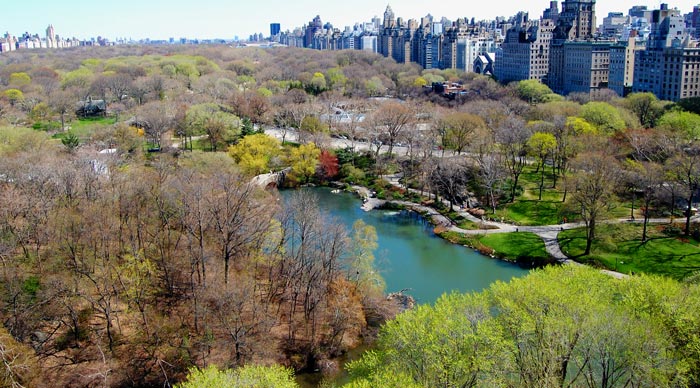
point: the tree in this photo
(18, 363)
(219, 126)
(460, 128)
(513, 135)
(255, 154)
(533, 91)
(328, 164)
(566, 326)
(391, 119)
(648, 178)
(156, 118)
(541, 145)
(303, 161)
(63, 103)
(646, 107)
(362, 269)
(684, 167)
(593, 194)
(240, 215)
(251, 376)
(686, 124)
(70, 141)
(604, 116)
(312, 130)
(449, 178)
(15, 96)
(19, 80)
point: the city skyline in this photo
(210, 19)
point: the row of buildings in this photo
(431, 43)
(645, 50)
(564, 51)
(10, 42)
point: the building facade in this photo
(524, 54)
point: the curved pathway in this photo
(548, 233)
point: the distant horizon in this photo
(219, 19)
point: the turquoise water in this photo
(411, 257)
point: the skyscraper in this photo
(274, 29)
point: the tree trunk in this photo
(687, 214)
(513, 189)
(541, 180)
(632, 209)
(590, 235)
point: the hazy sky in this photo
(161, 19)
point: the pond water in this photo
(410, 256)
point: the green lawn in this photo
(619, 247)
(84, 128)
(532, 212)
(526, 248)
(529, 210)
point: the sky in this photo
(205, 19)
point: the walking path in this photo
(548, 233)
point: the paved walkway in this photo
(548, 233)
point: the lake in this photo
(410, 256)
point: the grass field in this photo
(529, 210)
(85, 128)
(619, 247)
(525, 248)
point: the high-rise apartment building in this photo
(275, 29)
(576, 20)
(622, 56)
(579, 67)
(669, 67)
(524, 54)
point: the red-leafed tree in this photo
(328, 165)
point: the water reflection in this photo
(412, 257)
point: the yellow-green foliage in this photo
(561, 326)
(19, 139)
(80, 77)
(249, 376)
(254, 153)
(20, 79)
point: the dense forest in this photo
(136, 248)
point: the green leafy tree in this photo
(303, 161)
(646, 107)
(336, 79)
(362, 268)
(533, 91)
(604, 116)
(684, 123)
(249, 376)
(568, 326)
(70, 141)
(212, 121)
(15, 96)
(541, 145)
(255, 153)
(317, 84)
(18, 80)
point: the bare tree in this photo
(240, 216)
(450, 178)
(513, 135)
(391, 119)
(156, 118)
(684, 167)
(593, 194)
